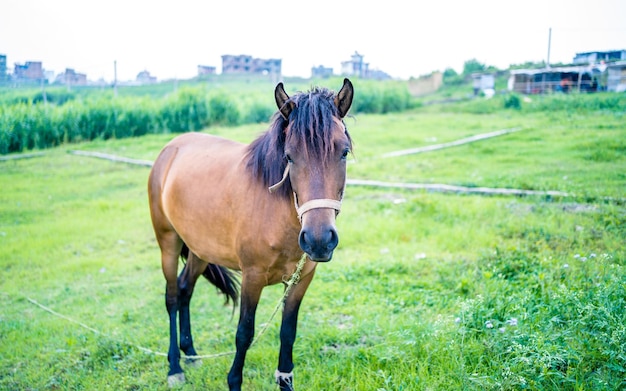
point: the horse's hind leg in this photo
(171, 245)
(186, 283)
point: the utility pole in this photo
(549, 41)
(115, 77)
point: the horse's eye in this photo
(289, 159)
(345, 153)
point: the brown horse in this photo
(210, 204)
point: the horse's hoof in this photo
(193, 362)
(176, 380)
(284, 380)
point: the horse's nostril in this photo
(333, 241)
(319, 245)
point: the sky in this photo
(400, 37)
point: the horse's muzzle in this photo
(319, 246)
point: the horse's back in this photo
(202, 190)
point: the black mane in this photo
(312, 125)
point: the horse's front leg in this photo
(250, 293)
(284, 373)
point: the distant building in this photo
(206, 70)
(355, 66)
(144, 77)
(244, 64)
(483, 82)
(321, 72)
(616, 77)
(599, 57)
(4, 77)
(30, 71)
(425, 85)
(71, 78)
(581, 78)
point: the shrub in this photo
(512, 101)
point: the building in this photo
(425, 85)
(4, 77)
(144, 77)
(485, 82)
(616, 76)
(358, 68)
(355, 66)
(244, 64)
(30, 71)
(557, 79)
(600, 57)
(71, 78)
(206, 70)
(321, 72)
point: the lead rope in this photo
(293, 280)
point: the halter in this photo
(320, 203)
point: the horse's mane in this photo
(311, 124)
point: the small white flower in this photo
(457, 320)
(576, 256)
(502, 329)
(565, 266)
(512, 322)
(583, 259)
(592, 255)
(488, 324)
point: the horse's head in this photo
(316, 148)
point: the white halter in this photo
(320, 203)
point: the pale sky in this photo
(401, 37)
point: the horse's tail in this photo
(223, 278)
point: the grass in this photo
(426, 291)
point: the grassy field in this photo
(426, 291)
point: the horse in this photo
(229, 209)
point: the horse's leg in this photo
(251, 288)
(186, 283)
(171, 245)
(284, 373)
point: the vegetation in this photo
(27, 122)
(426, 291)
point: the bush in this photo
(223, 110)
(512, 102)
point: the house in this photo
(355, 66)
(206, 70)
(30, 71)
(565, 79)
(4, 77)
(484, 82)
(245, 64)
(144, 77)
(71, 78)
(321, 72)
(600, 57)
(616, 76)
(425, 85)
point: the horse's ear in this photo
(282, 101)
(343, 100)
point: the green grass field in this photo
(426, 291)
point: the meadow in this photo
(426, 291)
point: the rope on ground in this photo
(456, 143)
(293, 280)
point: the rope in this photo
(293, 280)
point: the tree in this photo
(473, 66)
